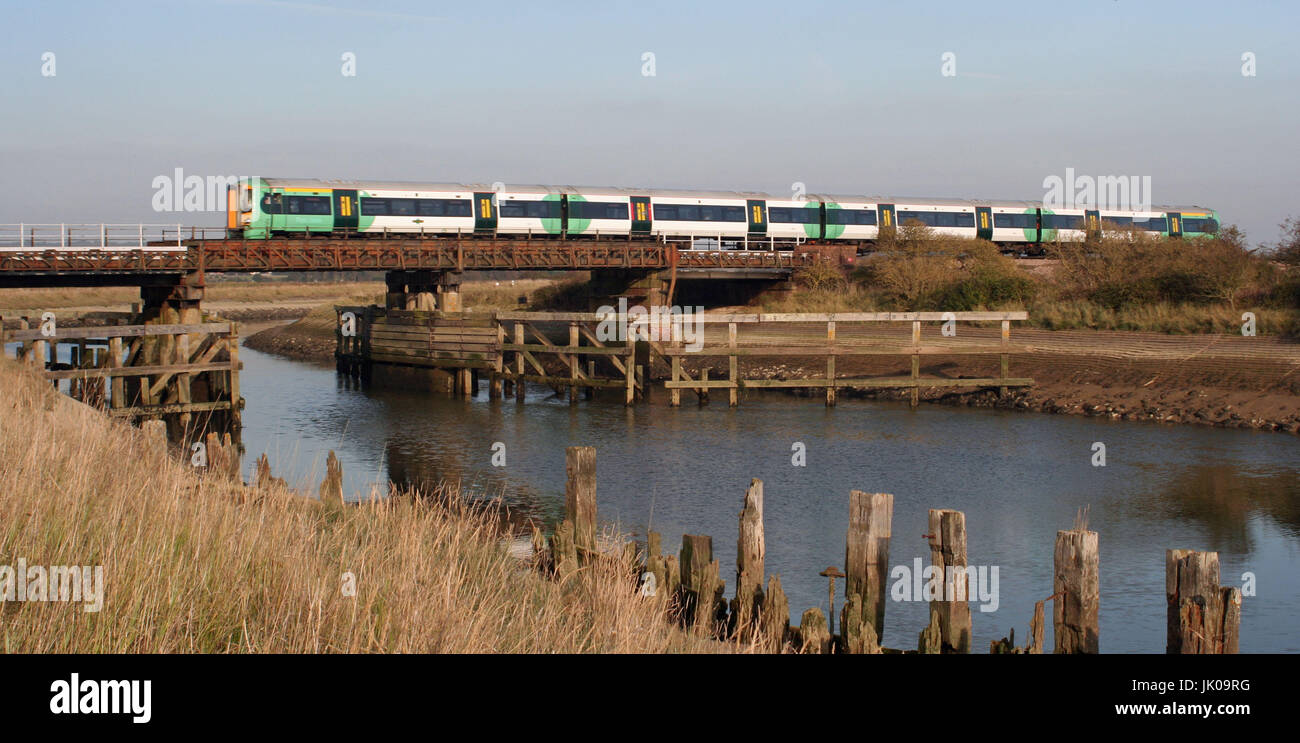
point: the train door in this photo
(984, 222)
(273, 208)
(485, 213)
(1092, 223)
(887, 220)
(757, 209)
(640, 215)
(1175, 224)
(345, 210)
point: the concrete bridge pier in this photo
(423, 290)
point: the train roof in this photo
(324, 183)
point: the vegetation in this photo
(200, 564)
(1125, 280)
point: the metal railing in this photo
(24, 236)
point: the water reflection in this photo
(1018, 477)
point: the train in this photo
(262, 208)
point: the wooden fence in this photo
(574, 351)
(173, 372)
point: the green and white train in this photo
(272, 207)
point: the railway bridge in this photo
(168, 362)
(423, 271)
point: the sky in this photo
(846, 98)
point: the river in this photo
(1019, 477)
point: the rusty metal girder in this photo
(329, 254)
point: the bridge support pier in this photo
(172, 300)
(423, 290)
(640, 287)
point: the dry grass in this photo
(188, 567)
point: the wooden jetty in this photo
(183, 374)
(568, 351)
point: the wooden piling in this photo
(733, 368)
(774, 617)
(699, 572)
(1077, 587)
(866, 556)
(580, 496)
(948, 553)
(519, 363)
(814, 635)
(331, 488)
(751, 551)
(830, 364)
(1203, 618)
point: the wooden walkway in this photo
(573, 351)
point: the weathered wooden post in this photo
(331, 488)
(1203, 617)
(519, 363)
(775, 616)
(866, 558)
(830, 363)
(948, 554)
(916, 362)
(155, 434)
(580, 497)
(733, 370)
(813, 632)
(700, 582)
(1078, 590)
(573, 363)
(751, 550)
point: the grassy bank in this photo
(193, 564)
(1122, 281)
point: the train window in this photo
(520, 209)
(401, 207)
(598, 209)
(1152, 224)
(1200, 224)
(311, 205)
(1016, 221)
(939, 219)
(709, 213)
(1062, 221)
(1117, 221)
(795, 215)
(851, 216)
(665, 212)
(372, 207)
(272, 204)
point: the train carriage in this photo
(849, 217)
(275, 207)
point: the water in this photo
(1019, 478)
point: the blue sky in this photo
(843, 97)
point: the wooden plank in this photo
(137, 371)
(119, 331)
(562, 382)
(613, 351)
(847, 350)
(152, 410)
(874, 382)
